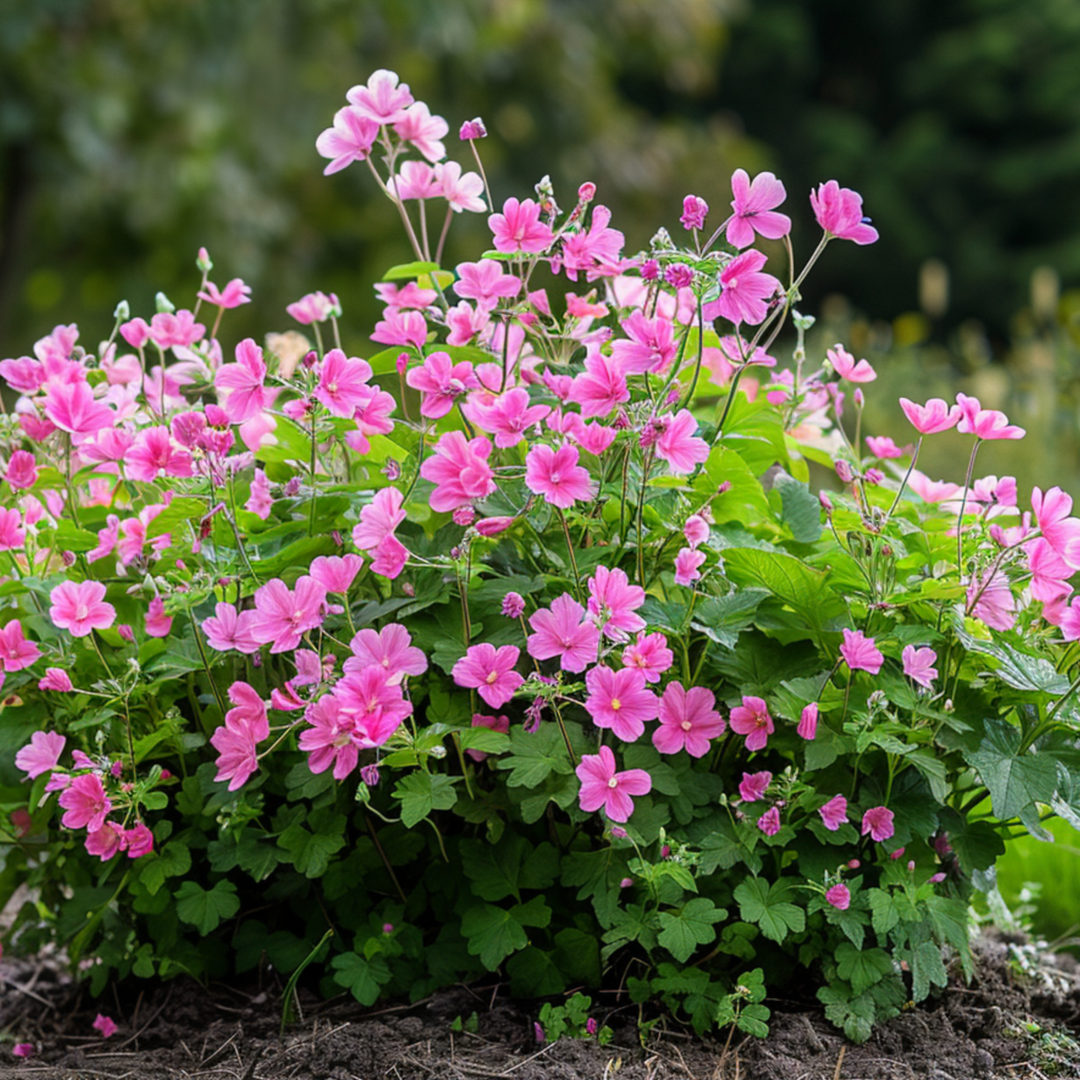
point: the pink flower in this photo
(350, 139)
(991, 600)
(649, 345)
(600, 387)
(461, 190)
(22, 469)
(508, 417)
(883, 447)
(416, 180)
(679, 446)
(919, 665)
(808, 721)
(613, 602)
(157, 623)
(56, 679)
(80, 607)
(931, 491)
(839, 212)
(878, 822)
(860, 652)
(336, 573)
(259, 501)
(688, 721)
(441, 381)
(314, 307)
(382, 100)
(839, 896)
(694, 212)
(754, 209)
(12, 535)
(104, 842)
(343, 383)
(424, 131)
(390, 649)
(168, 329)
(153, 455)
(602, 786)
(23, 1050)
(752, 719)
(769, 822)
(379, 519)
(16, 652)
(232, 296)
(746, 289)
(595, 251)
(459, 470)
(619, 700)
(984, 423)
(518, 228)
(650, 655)
(472, 129)
(557, 476)
(485, 282)
(399, 327)
(834, 812)
(1052, 512)
(86, 803)
(1049, 572)
(241, 384)
(137, 841)
(490, 671)
(513, 605)
(686, 566)
(696, 530)
(283, 616)
(561, 631)
(106, 1026)
(843, 363)
(72, 408)
(932, 417)
(229, 629)
(753, 786)
(41, 754)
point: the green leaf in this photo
(493, 933)
(977, 843)
(682, 932)
(363, 977)
(173, 860)
(862, 967)
(206, 908)
(723, 617)
(855, 1015)
(802, 509)
(769, 907)
(409, 270)
(533, 757)
(1013, 778)
(310, 849)
(1020, 670)
(534, 973)
(494, 871)
(422, 792)
(927, 968)
(885, 914)
(744, 500)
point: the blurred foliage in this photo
(134, 131)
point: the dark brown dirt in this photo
(182, 1030)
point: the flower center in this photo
(613, 783)
(492, 677)
(733, 283)
(686, 725)
(81, 612)
(616, 704)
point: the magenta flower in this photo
(601, 387)
(562, 631)
(754, 209)
(232, 296)
(650, 655)
(342, 384)
(695, 210)
(602, 786)
(86, 803)
(746, 289)
(169, 329)
(472, 129)
(679, 446)
(860, 653)
(12, 535)
(105, 1025)
(229, 629)
(105, 842)
(72, 408)
(839, 212)
(22, 469)
(839, 896)
(808, 721)
(485, 282)
(314, 307)
(696, 530)
(991, 599)
(984, 423)
(919, 665)
(490, 672)
(382, 100)
(513, 605)
(16, 652)
(56, 679)
(688, 721)
(423, 131)
(620, 701)
(138, 841)
(557, 476)
(157, 623)
(752, 719)
(753, 786)
(23, 1050)
(390, 649)
(686, 566)
(41, 754)
(379, 519)
(399, 327)
(350, 139)
(241, 384)
(508, 417)
(595, 251)
(834, 812)
(613, 602)
(878, 822)
(769, 822)
(283, 616)
(80, 607)
(518, 229)
(336, 573)
(459, 470)
(843, 363)
(649, 345)
(153, 455)
(932, 417)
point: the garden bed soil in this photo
(181, 1030)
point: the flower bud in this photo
(587, 191)
(843, 470)
(402, 363)
(163, 305)
(513, 605)
(311, 358)
(203, 262)
(619, 833)
(472, 129)
(724, 487)
(853, 864)
(125, 631)
(650, 270)
(826, 502)
(464, 515)
(122, 312)
(68, 559)
(370, 775)
(860, 398)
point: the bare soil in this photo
(182, 1030)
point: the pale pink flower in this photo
(746, 288)
(557, 476)
(931, 491)
(382, 99)
(390, 649)
(508, 417)
(416, 180)
(485, 282)
(283, 616)
(984, 423)
(808, 721)
(12, 535)
(518, 229)
(688, 721)
(600, 387)
(839, 896)
(843, 363)
(157, 623)
(650, 655)
(839, 212)
(562, 631)
(754, 209)
(229, 629)
(314, 307)
(695, 210)
(860, 653)
(883, 447)
(350, 139)
(169, 329)
(80, 607)
(686, 566)
(649, 345)
(86, 803)
(679, 446)
(878, 822)
(462, 191)
(240, 385)
(459, 470)
(752, 719)
(424, 131)
(753, 786)
(22, 469)
(441, 381)
(602, 786)
(613, 602)
(41, 754)
(834, 812)
(72, 408)
(620, 701)
(996, 605)
(342, 386)
(696, 530)
(769, 822)
(336, 573)
(232, 296)
(919, 665)
(379, 518)
(490, 672)
(56, 679)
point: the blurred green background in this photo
(134, 131)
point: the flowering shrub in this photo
(522, 643)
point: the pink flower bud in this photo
(650, 270)
(391, 470)
(493, 525)
(860, 399)
(68, 559)
(843, 470)
(464, 515)
(388, 928)
(125, 631)
(619, 833)
(203, 262)
(853, 864)
(409, 589)
(626, 883)
(472, 129)
(724, 487)
(310, 359)
(370, 775)
(694, 212)
(898, 853)
(874, 476)
(402, 363)
(665, 852)
(679, 276)
(513, 605)
(911, 865)
(936, 879)
(587, 191)
(826, 502)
